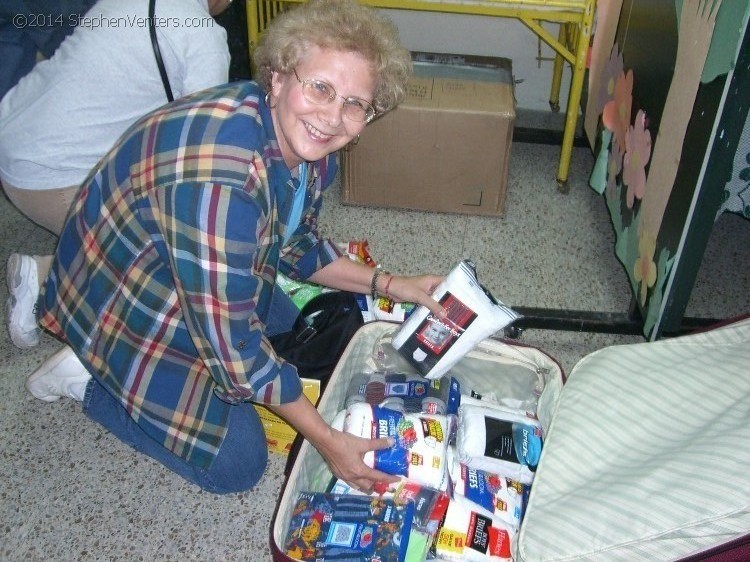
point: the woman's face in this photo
(309, 132)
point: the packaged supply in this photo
(335, 527)
(420, 442)
(279, 434)
(359, 251)
(301, 292)
(499, 441)
(471, 533)
(497, 494)
(430, 504)
(411, 393)
(383, 308)
(433, 345)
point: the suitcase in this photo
(647, 456)
(646, 448)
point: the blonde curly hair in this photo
(340, 25)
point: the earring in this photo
(350, 146)
(268, 101)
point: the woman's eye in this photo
(322, 88)
(357, 104)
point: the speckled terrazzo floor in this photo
(70, 491)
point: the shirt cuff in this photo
(285, 388)
(325, 252)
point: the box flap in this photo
(460, 87)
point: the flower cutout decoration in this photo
(614, 166)
(637, 155)
(612, 69)
(644, 271)
(616, 114)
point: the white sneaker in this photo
(60, 375)
(23, 286)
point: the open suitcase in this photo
(646, 454)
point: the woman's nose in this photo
(333, 113)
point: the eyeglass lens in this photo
(319, 92)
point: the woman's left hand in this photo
(417, 289)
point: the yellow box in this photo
(279, 434)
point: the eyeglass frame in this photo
(304, 83)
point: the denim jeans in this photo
(243, 454)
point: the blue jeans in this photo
(243, 454)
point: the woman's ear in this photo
(277, 80)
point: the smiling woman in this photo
(163, 284)
(337, 26)
(308, 120)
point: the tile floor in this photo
(71, 491)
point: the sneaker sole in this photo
(13, 279)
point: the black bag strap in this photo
(157, 51)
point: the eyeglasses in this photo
(322, 93)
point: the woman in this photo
(163, 283)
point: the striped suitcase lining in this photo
(647, 457)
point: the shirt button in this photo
(241, 344)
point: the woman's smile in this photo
(308, 131)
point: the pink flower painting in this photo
(637, 155)
(616, 114)
(612, 69)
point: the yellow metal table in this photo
(575, 18)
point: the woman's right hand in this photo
(344, 454)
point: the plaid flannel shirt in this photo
(165, 268)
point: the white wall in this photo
(481, 35)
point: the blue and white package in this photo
(390, 423)
(499, 441)
(420, 442)
(497, 494)
(405, 392)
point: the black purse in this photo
(320, 334)
(157, 51)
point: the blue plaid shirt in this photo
(164, 271)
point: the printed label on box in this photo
(434, 336)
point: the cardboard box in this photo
(279, 434)
(446, 147)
